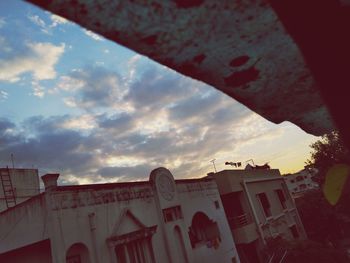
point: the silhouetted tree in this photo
(328, 151)
(318, 216)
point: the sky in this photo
(75, 103)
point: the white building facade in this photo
(160, 220)
(300, 182)
(258, 207)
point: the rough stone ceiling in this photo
(238, 47)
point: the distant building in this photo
(160, 220)
(17, 185)
(301, 181)
(258, 207)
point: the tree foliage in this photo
(319, 218)
(328, 151)
(322, 220)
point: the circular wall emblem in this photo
(166, 187)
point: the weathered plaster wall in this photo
(25, 224)
(200, 196)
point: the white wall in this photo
(25, 224)
(202, 200)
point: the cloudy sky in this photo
(75, 103)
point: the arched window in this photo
(78, 253)
(204, 231)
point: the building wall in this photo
(25, 224)
(268, 187)
(281, 219)
(254, 226)
(301, 181)
(97, 216)
(89, 216)
(25, 184)
(204, 197)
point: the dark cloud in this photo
(159, 88)
(233, 113)
(8, 134)
(95, 87)
(6, 124)
(127, 173)
(56, 149)
(40, 124)
(158, 144)
(196, 106)
(119, 122)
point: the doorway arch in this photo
(78, 253)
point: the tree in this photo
(318, 216)
(324, 220)
(328, 151)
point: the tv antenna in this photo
(13, 163)
(251, 161)
(213, 161)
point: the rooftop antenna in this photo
(213, 161)
(13, 163)
(251, 161)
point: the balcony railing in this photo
(239, 221)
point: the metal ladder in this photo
(7, 187)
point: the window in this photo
(282, 198)
(299, 178)
(136, 251)
(77, 253)
(168, 215)
(265, 204)
(204, 231)
(172, 213)
(217, 204)
(293, 229)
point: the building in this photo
(301, 181)
(258, 207)
(17, 185)
(160, 220)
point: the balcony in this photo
(243, 229)
(239, 221)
